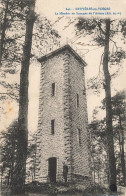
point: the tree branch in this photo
(99, 25)
(114, 43)
(11, 96)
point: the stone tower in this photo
(62, 125)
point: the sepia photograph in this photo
(62, 98)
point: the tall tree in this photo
(31, 158)
(18, 184)
(98, 149)
(13, 13)
(8, 151)
(99, 137)
(3, 29)
(118, 110)
(102, 32)
(109, 129)
(20, 14)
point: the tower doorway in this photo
(52, 165)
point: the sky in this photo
(67, 34)
(50, 9)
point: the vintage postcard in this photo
(62, 97)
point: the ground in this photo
(65, 190)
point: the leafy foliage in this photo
(31, 158)
(13, 25)
(95, 28)
(99, 140)
(8, 150)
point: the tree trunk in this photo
(98, 177)
(94, 176)
(8, 179)
(1, 177)
(2, 40)
(121, 143)
(34, 167)
(12, 170)
(18, 183)
(12, 164)
(123, 163)
(35, 161)
(109, 129)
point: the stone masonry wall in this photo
(67, 114)
(68, 75)
(51, 108)
(80, 153)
